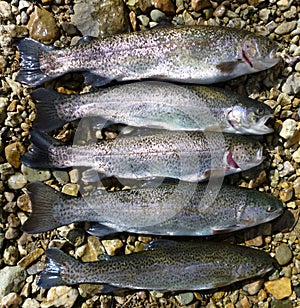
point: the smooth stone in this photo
(11, 300)
(289, 127)
(284, 4)
(198, 5)
(23, 203)
(287, 169)
(31, 303)
(253, 287)
(6, 169)
(11, 280)
(33, 175)
(166, 6)
(286, 27)
(13, 119)
(292, 84)
(88, 290)
(157, 15)
(296, 156)
(42, 26)
(220, 11)
(111, 246)
(144, 20)
(13, 153)
(61, 296)
(17, 181)
(71, 189)
(279, 288)
(61, 176)
(185, 298)
(283, 254)
(93, 249)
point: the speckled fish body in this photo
(165, 265)
(188, 156)
(156, 105)
(187, 209)
(197, 54)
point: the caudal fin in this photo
(46, 101)
(38, 154)
(31, 51)
(59, 271)
(43, 199)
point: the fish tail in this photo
(38, 154)
(59, 271)
(42, 198)
(46, 105)
(31, 51)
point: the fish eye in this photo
(271, 208)
(260, 111)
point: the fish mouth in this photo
(260, 127)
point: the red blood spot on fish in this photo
(246, 58)
(231, 162)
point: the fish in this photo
(164, 265)
(145, 154)
(158, 105)
(193, 54)
(187, 209)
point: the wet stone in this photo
(61, 176)
(185, 298)
(292, 84)
(286, 27)
(93, 249)
(198, 5)
(71, 189)
(5, 10)
(17, 181)
(31, 303)
(13, 153)
(283, 254)
(112, 246)
(42, 26)
(289, 127)
(220, 11)
(31, 257)
(157, 15)
(11, 255)
(11, 300)
(23, 203)
(166, 6)
(33, 175)
(279, 288)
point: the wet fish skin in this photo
(164, 266)
(156, 105)
(197, 54)
(188, 156)
(182, 210)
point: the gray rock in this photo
(98, 17)
(61, 176)
(292, 84)
(283, 254)
(11, 280)
(144, 20)
(32, 175)
(157, 15)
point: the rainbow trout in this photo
(194, 54)
(163, 266)
(186, 209)
(187, 156)
(156, 105)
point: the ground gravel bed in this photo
(62, 23)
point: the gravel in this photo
(63, 22)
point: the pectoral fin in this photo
(227, 67)
(220, 229)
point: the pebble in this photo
(23, 203)
(157, 15)
(76, 236)
(92, 250)
(283, 254)
(33, 175)
(98, 17)
(111, 246)
(166, 6)
(11, 300)
(5, 10)
(198, 5)
(62, 296)
(13, 153)
(11, 280)
(279, 288)
(185, 298)
(11, 255)
(287, 169)
(289, 127)
(42, 26)
(61, 176)
(220, 11)
(30, 258)
(292, 84)
(284, 4)
(286, 27)
(87, 290)
(253, 287)
(17, 181)
(6, 169)
(71, 189)
(31, 303)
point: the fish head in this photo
(243, 153)
(259, 208)
(250, 119)
(259, 52)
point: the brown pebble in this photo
(243, 303)
(279, 288)
(23, 203)
(198, 5)
(220, 11)
(13, 153)
(31, 257)
(262, 295)
(166, 6)
(11, 300)
(42, 26)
